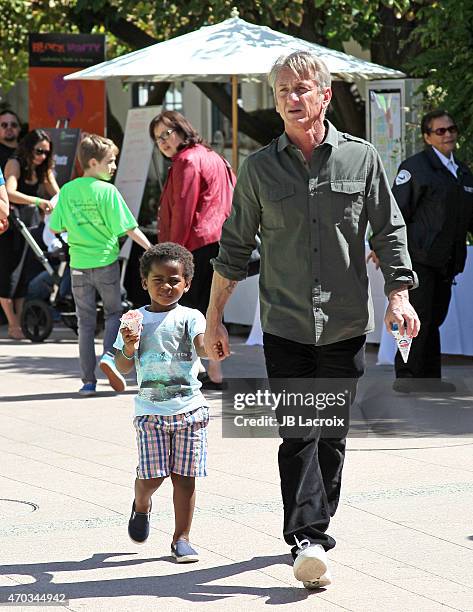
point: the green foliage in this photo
(357, 19)
(18, 17)
(21, 17)
(328, 20)
(332, 21)
(446, 64)
(442, 29)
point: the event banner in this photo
(54, 101)
(135, 159)
(386, 108)
(65, 144)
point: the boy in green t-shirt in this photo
(94, 214)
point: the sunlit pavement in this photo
(404, 527)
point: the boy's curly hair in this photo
(167, 251)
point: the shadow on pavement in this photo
(40, 397)
(379, 411)
(192, 585)
(41, 364)
(62, 367)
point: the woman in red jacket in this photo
(195, 202)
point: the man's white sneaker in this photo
(311, 561)
(323, 581)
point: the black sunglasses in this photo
(452, 129)
(6, 124)
(39, 151)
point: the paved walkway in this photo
(404, 527)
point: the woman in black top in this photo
(28, 174)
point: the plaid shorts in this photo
(176, 443)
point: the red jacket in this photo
(196, 199)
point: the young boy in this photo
(94, 214)
(171, 414)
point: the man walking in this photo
(9, 132)
(311, 193)
(434, 191)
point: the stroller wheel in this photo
(36, 320)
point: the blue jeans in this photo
(40, 287)
(85, 285)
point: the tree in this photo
(327, 22)
(384, 26)
(446, 63)
(20, 17)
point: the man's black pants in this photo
(311, 468)
(430, 300)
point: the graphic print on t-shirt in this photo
(165, 362)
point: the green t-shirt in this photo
(94, 214)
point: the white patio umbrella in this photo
(231, 50)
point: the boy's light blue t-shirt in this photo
(166, 362)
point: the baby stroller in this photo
(37, 319)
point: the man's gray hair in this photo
(305, 65)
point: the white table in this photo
(456, 333)
(243, 302)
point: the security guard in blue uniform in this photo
(434, 191)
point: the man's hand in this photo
(216, 341)
(401, 312)
(372, 255)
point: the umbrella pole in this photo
(235, 123)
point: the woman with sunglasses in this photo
(29, 180)
(195, 202)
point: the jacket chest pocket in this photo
(274, 200)
(347, 200)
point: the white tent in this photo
(233, 49)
